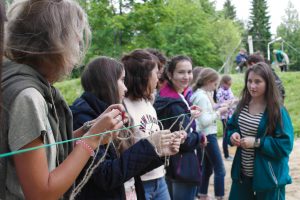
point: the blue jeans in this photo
(213, 163)
(224, 144)
(156, 189)
(181, 191)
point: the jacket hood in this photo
(166, 97)
(87, 105)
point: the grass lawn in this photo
(71, 89)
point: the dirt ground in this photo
(292, 190)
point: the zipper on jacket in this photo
(273, 174)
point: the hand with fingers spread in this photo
(236, 139)
(247, 142)
(110, 119)
(195, 111)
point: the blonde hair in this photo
(206, 75)
(51, 36)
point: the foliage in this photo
(173, 26)
(259, 26)
(229, 10)
(188, 31)
(289, 30)
(71, 89)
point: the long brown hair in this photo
(272, 96)
(138, 66)
(100, 77)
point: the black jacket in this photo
(184, 166)
(107, 181)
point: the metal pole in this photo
(269, 51)
(275, 40)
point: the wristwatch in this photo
(256, 143)
(86, 126)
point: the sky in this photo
(276, 10)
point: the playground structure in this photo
(227, 66)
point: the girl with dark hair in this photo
(183, 173)
(262, 130)
(141, 80)
(255, 58)
(42, 46)
(161, 66)
(103, 83)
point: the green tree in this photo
(259, 26)
(208, 7)
(187, 31)
(229, 10)
(190, 27)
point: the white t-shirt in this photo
(28, 120)
(144, 114)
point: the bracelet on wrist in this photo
(86, 146)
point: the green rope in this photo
(72, 140)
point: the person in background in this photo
(207, 123)
(196, 71)
(263, 133)
(124, 160)
(42, 46)
(161, 66)
(225, 96)
(282, 59)
(183, 173)
(241, 60)
(255, 58)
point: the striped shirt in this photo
(248, 124)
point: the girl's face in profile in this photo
(256, 85)
(121, 86)
(182, 75)
(212, 85)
